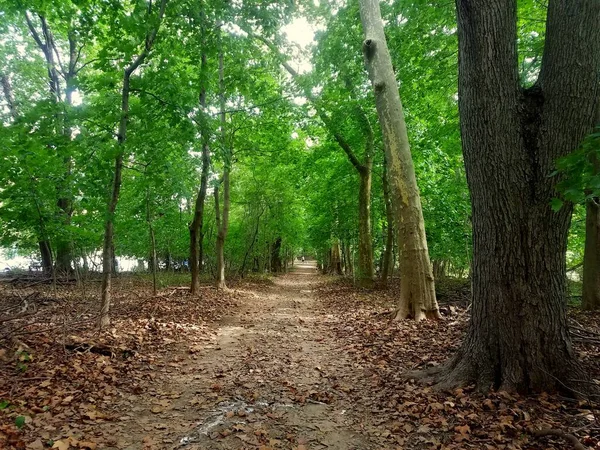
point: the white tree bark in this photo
(417, 288)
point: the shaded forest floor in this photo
(301, 361)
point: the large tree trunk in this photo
(335, 260)
(196, 232)
(591, 257)
(518, 337)
(388, 254)
(365, 241)
(107, 250)
(46, 255)
(417, 288)
(277, 265)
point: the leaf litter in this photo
(303, 362)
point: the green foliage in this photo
(290, 180)
(20, 421)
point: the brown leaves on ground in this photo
(65, 378)
(286, 372)
(415, 415)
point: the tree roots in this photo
(561, 434)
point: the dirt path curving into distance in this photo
(273, 377)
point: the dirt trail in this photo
(271, 378)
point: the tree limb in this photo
(313, 100)
(561, 434)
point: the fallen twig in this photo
(561, 434)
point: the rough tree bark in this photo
(46, 254)
(47, 44)
(107, 250)
(335, 259)
(518, 337)
(417, 288)
(222, 222)
(196, 232)
(388, 254)
(276, 265)
(8, 96)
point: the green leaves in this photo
(20, 421)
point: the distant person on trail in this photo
(303, 259)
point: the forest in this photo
(310, 224)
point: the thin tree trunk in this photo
(518, 337)
(335, 261)
(243, 268)
(153, 250)
(365, 240)
(222, 223)
(417, 288)
(220, 244)
(152, 241)
(64, 245)
(388, 254)
(8, 96)
(46, 43)
(107, 252)
(349, 262)
(196, 232)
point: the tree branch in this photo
(561, 434)
(34, 33)
(150, 37)
(313, 100)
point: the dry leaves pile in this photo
(287, 370)
(415, 415)
(60, 378)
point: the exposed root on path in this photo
(561, 434)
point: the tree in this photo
(417, 289)
(364, 168)
(107, 250)
(518, 336)
(46, 42)
(196, 226)
(388, 256)
(222, 218)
